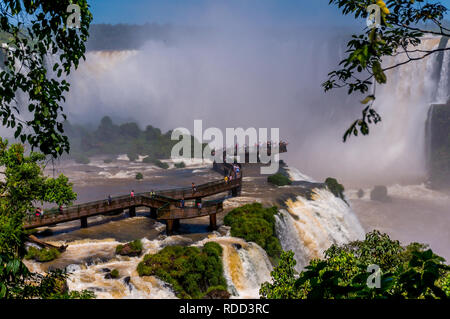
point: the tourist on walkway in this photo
(199, 205)
(132, 194)
(38, 212)
(182, 203)
(194, 188)
(109, 199)
(226, 179)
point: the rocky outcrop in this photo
(380, 193)
(131, 249)
(217, 294)
(438, 131)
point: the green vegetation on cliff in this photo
(127, 138)
(279, 180)
(193, 272)
(413, 272)
(255, 223)
(42, 255)
(336, 188)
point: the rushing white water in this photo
(309, 227)
(246, 267)
(443, 93)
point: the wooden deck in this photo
(164, 205)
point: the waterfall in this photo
(443, 93)
(309, 227)
(246, 266)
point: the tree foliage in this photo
(32, 83)
(413, 271)
(23, 185)
(402, 26)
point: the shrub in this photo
(255, 223)
(412, 272)
(191, 271)
(180, 165)
(42, 255)
(139, 176)
(279, 180)
(160, 164)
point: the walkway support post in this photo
(169, 227)
(213, 221)
(132, 211)
(84, 223)
(176, 223)
(153, 212)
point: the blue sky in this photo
(192, 11)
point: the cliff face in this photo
(439, 148)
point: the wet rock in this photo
(106, 270)
(126, 280)
(379, 193)
(237, 246)
(108, 276)
(360, 193)
(224, 230)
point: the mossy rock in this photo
(160, 164)
(42, 255)
(191, 271)
(107, 161)
(114, 274)
(131, 249)
(279, 180)
(180, 165)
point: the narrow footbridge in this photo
(164, 205)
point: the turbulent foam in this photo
(309, 227)
(296, 175)
(246, 266)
